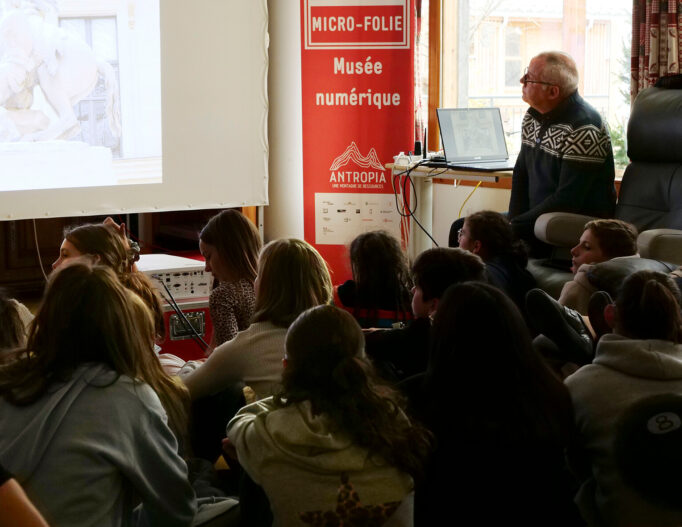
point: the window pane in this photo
(512, 72)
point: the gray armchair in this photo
(650, 194)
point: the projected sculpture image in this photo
(35, 51)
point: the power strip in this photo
(184, 277)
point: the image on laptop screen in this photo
(472, 134)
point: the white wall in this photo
(448, 200)
(284, 215)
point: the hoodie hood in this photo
(310, 441)
(28, 430)
(648, 359)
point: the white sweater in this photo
(253, 356)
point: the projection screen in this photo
(121, 106)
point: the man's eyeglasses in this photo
(525, 80)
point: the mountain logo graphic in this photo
(352, 153)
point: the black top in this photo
(515, 281)
(400, 353)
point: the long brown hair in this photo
(105, 243)
(482, 357)
(292, 277)
(327, 366)
(88, 316)
(237, 241)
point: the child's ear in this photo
(476, 249)
(284, 363)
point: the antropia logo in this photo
(373, 178)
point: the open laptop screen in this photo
(472, 134)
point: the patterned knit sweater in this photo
(565, 164)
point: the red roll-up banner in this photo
(357, 64)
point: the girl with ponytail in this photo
(640, 359)
(334, 441)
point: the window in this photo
(486, 44)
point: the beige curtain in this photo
(656, 32)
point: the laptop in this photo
(473, 138)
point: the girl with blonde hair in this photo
(292, 277)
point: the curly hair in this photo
(616, 237)
(327, 366)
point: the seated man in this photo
(566, 161)
(401, 353)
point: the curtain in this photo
(656, 31)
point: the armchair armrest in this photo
(561, 229)
(661, 244)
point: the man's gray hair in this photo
(561, 70)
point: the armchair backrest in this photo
(651, 191)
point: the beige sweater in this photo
(312, 472)
(253, 356)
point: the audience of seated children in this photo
(292, 277)
(564, 336)
(14, 321)
(17, 509)
(85, 409)
(230, 244)
(333, 446)
(640, 359)
(502, 420)
(403, 352)
(489, 235)
(379, 293)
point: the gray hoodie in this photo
(624, 372)
(92, 448)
